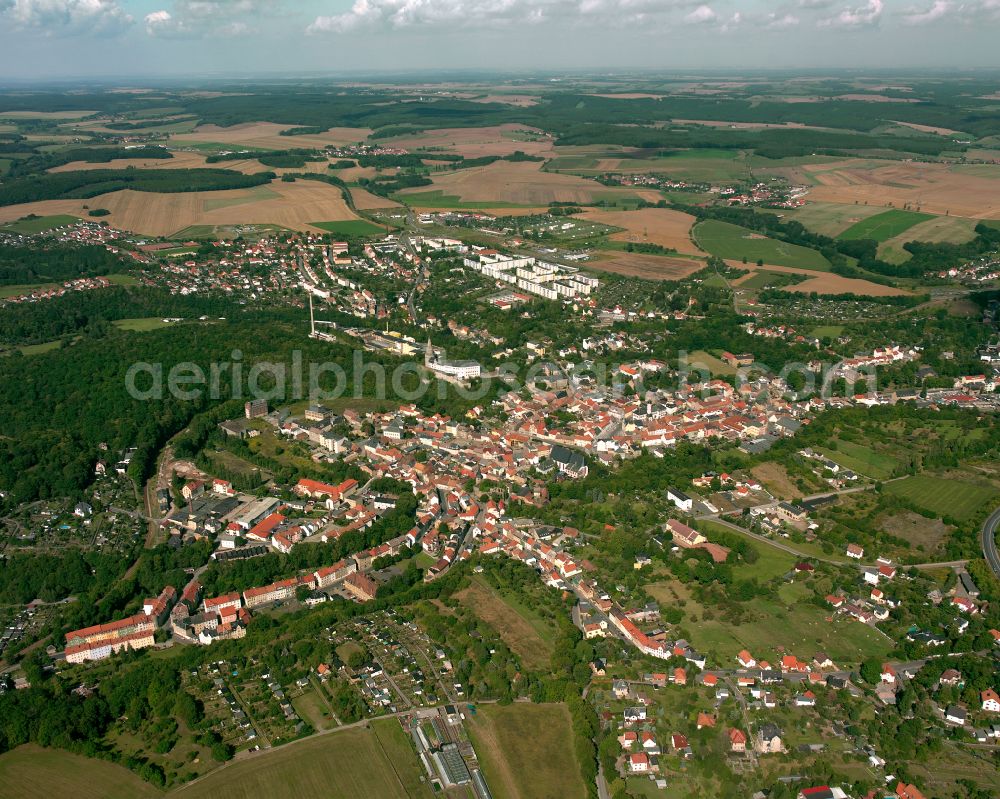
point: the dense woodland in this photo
(31, 263)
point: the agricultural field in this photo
(671, 229)
(884, 226)
(828, 282)
(350, 227)
(693, 166)
(364, 200)
(733, 242)
(477, 142)
(520, 183)
(952, 229)
(830, 219)
(142, 325)
(267, 136)
(526, 751)
(289, 205)
(945, 497)
(375, 762)
(528, 636)
(935, 188)
(647, 267)
(31, 772)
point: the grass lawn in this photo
(710, 362)
(765, 280)
(313, 709)
(353, 763)
(39, 224)
(827, 331)
(350, 227)
(142, 324)
(528, 636)
(734, 242)
(861, 459)
(884, 226)
(31, 772)
(526, 751)
(943, 496)
(40, 349)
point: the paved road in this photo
(989, 542)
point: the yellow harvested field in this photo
(522, 183)
(364, 200)
(971, 191)
(266, 135)
(928, 128)
(290, 205)
(647, 267)
(45, 114)
(476, 142)
(824, 282)
(650, 225)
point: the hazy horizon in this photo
(122, 39)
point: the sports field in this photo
(729, 241)
(884, 226)
(945, 497)
(526, 751)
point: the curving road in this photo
(988, 537)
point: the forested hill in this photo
(21, 264)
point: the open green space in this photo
(142, 325)
(884, 226)
(827, 331)
(946, 497)
(528, 635)
(729, 241)
(800, 627)
(526, 751)
(861, 459)
(350, 227)
(830, 219)
(766, 280)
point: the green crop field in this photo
(734, 242)
(953, 229)
(831, 219)
(39, 224)
(350, 227)
(945, 497)
(884, 226)
(349, 764)
(31, 772)
(526, 751)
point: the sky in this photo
(135, 39)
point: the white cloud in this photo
(938, 10)
(398, 14)
(196, 18)
(702, 15)
(863, 16)
(66, 17)
(781, 21)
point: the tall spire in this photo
(429, 352)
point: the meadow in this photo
(861, 459)
(526, 751)
(350, 227)
(528, 636)
(728, 241)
